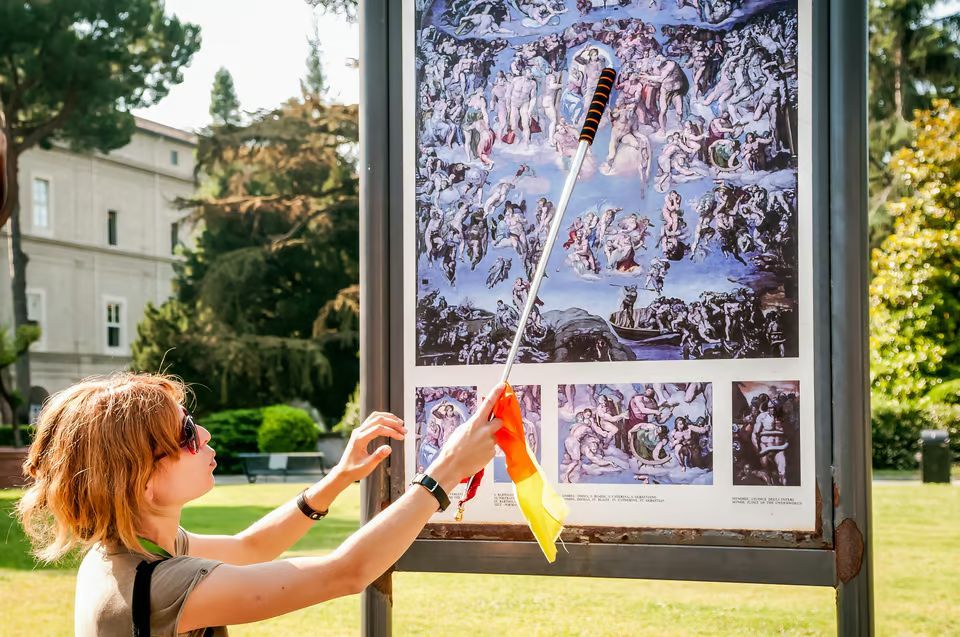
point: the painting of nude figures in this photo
(680, 240)
(640, 433)
(528, 396)
(439, 411)
(766, 433)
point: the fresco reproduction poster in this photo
(662, 365)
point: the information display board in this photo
(693, 379)
(666, 379)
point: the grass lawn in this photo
(909, 474)
(916, 542)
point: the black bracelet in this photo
(434, 488)
(307, 509)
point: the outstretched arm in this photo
(274, 533)
(241, 594)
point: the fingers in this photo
(376, 431)
(490, 400)
(494, 426)
(377, 456)
(381, 419)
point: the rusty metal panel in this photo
(694, 563)
(848, 324)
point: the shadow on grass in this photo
(325, 535)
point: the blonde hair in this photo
(96, 446)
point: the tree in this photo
(72, 71)
(351, 415)
(346, 8)
(914, 58)
(3, 158)
(224, 104)
(915, 292)
(10, 350)
(265, 306)
(315, 81)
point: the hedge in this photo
(287, 428)
(6, 435)
(233, 431)
(896, 428)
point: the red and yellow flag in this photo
(542, 507)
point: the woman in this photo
(115, 460)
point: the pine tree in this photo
(224, 104)
(266, 305)
(315, 81)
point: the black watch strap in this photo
(307, 510)
(434, 488)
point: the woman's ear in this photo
(148, 492)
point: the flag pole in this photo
(590, 125)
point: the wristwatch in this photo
(434, 488)
(307, 509)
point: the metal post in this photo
(849, 271)
(377, 599)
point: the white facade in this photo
(98, 232)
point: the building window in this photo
(112, 227)
(41, 203)
(174, 236)
(35, 307)
(174, 158)
(114, 324)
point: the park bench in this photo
(301, 463)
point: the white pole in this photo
(545, 255)
(590, 126)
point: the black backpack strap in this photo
(141, 598)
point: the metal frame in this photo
(839, 553)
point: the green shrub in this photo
(287, 428)
(6, 435)
(351, 415)
(896, 428)
(897, 425)
(234, 431)
(947, 393)
(947, 417)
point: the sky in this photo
(263, 43)
(945, 8)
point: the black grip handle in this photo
(599, 104)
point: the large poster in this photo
(683, 264)
(680, 241)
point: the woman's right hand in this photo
(470, 447)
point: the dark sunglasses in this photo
(189, 437)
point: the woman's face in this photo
(184, 477)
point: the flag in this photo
(540, 504)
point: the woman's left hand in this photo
(357, 462)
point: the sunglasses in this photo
(189, 437)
